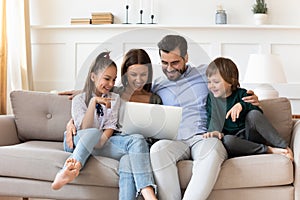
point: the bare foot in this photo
(286, 152)
(148, 193)
(289, 154)
(275, 150)
(67, 174)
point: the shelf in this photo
(130, 26)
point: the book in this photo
(80, 21)
(102, 18)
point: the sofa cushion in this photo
(247, 171)
(40, 115)
(39, 160)
(279, 113)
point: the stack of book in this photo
(102, 18)
(77, 21)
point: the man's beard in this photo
(175, 74)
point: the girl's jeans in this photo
(131, 150)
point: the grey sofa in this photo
(31, 154)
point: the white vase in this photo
(260, 18)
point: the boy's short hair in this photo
(227, 69)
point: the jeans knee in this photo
(139, 143)
(228, 140)
(94, 134)
(253, 115)
(159, 145)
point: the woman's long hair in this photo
(133, 57)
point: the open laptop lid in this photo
(152, 120)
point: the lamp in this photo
(265, 69)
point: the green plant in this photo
(260, 7)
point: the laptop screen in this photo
(152, 120)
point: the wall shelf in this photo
(130, 26)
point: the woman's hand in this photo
(71, 131)
(234, 112)
(104, 137)
(216, 134)
(253, 99)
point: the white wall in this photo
(59, 51)
(168, 12)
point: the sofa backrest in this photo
(43, 116)
(279, 113)
(40, 115)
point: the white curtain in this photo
(18, 47)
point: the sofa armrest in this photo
(8, 133)
(295, 144)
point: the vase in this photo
(260, 18)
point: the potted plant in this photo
(260, 11)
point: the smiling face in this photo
(104, 81)
(137, 76)
(173, 65)
(218, 86)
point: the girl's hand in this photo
(216, 134)
(234, 112)
(104, 101)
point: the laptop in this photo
(152, 120)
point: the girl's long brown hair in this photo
(102, 62)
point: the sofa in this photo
(31, 153)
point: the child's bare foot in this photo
(275, 150)
(289, 154)
(67, 174)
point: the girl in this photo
(242, 127)
(95, 115)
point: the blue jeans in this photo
(131, 150)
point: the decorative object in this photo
(221, 17)
(127, 9)
(265, 69)
(141, 12)
(260, 12)
(152, 12)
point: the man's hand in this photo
(253, 99)
(234, 112)
(216, 134)
(70, 93)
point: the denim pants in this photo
(131, 150)
(254, 139)
(207, 155)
